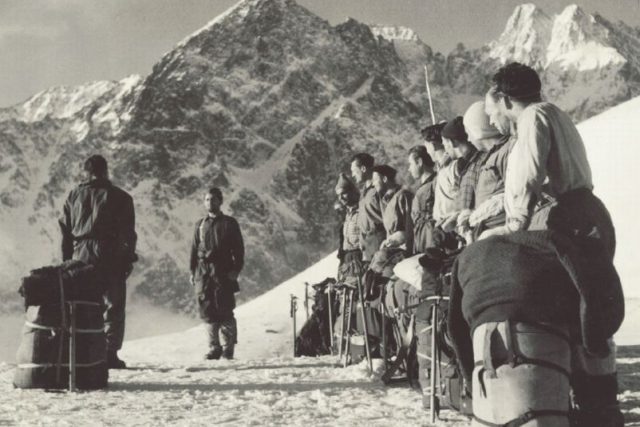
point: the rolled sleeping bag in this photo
(43, 355)
(521, 374)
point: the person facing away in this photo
(372, 232)
(98, 227)
(549, 147)
(422, 169)
(217, 258)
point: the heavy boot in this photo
(214, 353)
(227, 352)
(595, 401)
(114, 362)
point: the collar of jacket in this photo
(96, 182)
(444, 161)
(390, 193)
(428, 180)
(214, 217)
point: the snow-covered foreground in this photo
(276, 391)
(170, 384)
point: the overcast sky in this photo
(46, 43)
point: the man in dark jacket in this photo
(98, 227)
(217, 257)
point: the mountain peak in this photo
(393, 33)
(237, 13)
(525, 36)
(579, 41)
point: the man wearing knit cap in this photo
(351, 260)
(489, 191)
(549, 147)
(468, 164)
(370, 210)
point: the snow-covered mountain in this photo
(587, 63)
(269, 101)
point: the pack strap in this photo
(55, 330)
(526, 417)
(516, 358)
(66, 365)
(63, 328)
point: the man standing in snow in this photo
(217, 257)
(98, 227)
(369, 211)
(549, 147)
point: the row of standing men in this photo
(512, 164)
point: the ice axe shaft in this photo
(426, 78)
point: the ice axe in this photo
(364, 320)
(426, 78)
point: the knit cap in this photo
(476, 123)
(454, 130)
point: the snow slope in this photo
(264, 325)
(611, 139)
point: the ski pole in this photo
(306, 299)
(330, 302)
(72, 347)
(294, 307)
(343, 306)
(384, 328)
(348, 336)
(364, 323)
(434, 366)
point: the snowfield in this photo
(169, 383)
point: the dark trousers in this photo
(223, 336)
(115, 299)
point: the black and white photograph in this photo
(320, 213)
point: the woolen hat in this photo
(454, 130)
(433, 133)
(476, 123)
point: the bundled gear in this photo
(528, 286)
(43, 357)
(314, 338)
